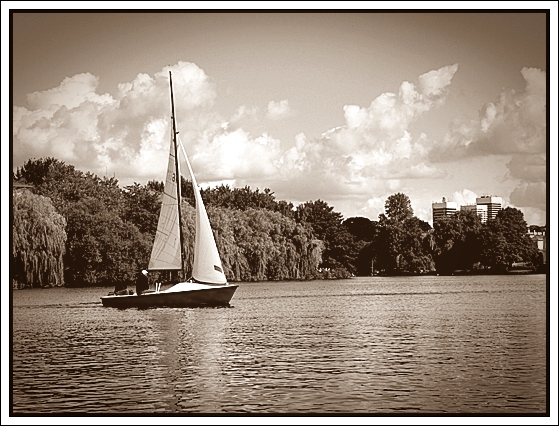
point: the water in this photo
(472, 344)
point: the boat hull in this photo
(217, 296)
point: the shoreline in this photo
(455, 273)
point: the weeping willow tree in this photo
(257, 244)
(39, 239)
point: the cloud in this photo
(62, 122)
(529, 195)
(464, 197)
(513, 124)
(244, 112)
(374, 154)
(359, 163)
(278, 110)
(72, 92)
(535, 216)
(128, 133)
(530, 168)
(433, 84)
(373, 147)
(235, 155)
(374, 207)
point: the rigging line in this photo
(187, 161)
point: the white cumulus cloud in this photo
(99, 133)
(235, 155)
(359, 163)
(72, 92)
(374, 146)
(278, 110)
(513, 124)
(464, 197)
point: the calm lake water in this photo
(470, 344)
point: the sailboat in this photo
(208, 285)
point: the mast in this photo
(177, 173)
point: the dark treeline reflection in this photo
(77, 229)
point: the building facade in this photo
(494, 205)
(480, 209)
(541, 240)
(444, 208)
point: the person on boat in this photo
(142, 282)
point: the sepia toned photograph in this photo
(241, 215)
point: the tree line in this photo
(78, 229)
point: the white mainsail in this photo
(207, 266)
(166, 252)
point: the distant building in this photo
(494, 205)
(480, 209)
(444, 208)
(541, 240)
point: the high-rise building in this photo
(444, 208)
(480, 209)
(494, 204)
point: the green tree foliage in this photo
(141, 207)
(387, 246)
(237, 198)
(39, 240)
(36, 172)
(457, 241)
(365, 262)
(505, 241)
(98, 233)
(416, 254)
(187, 192)
(362, 228)
(341, 253)
(102, 246)
(320, 216)
(156, 186)
(103, 249)
(65, 185)
(364, 232)
(339, 248)
(398, 207)
(401, 243)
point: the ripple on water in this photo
(367, 345)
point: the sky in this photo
(348, 107)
